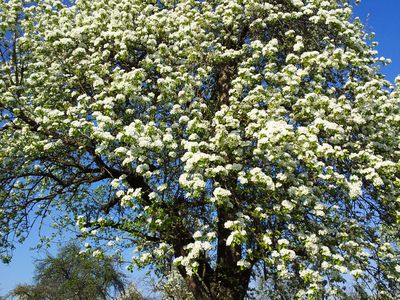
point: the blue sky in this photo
(382, 17)
(379, 16)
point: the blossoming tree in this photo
(223, 136)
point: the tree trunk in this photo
(227, 281)
(229, 287)
(233, 289)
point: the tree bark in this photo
(226, 287)
(227, 281)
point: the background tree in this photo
(73, 275)
(218, 135)
(30, 292)
(132, 293)
(172, 286)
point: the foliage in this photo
(219, 135)
(30, 292)
(73, 275)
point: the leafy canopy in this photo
(71, 275)
(221, 135)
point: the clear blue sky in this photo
(379, 16)
(383, 18)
